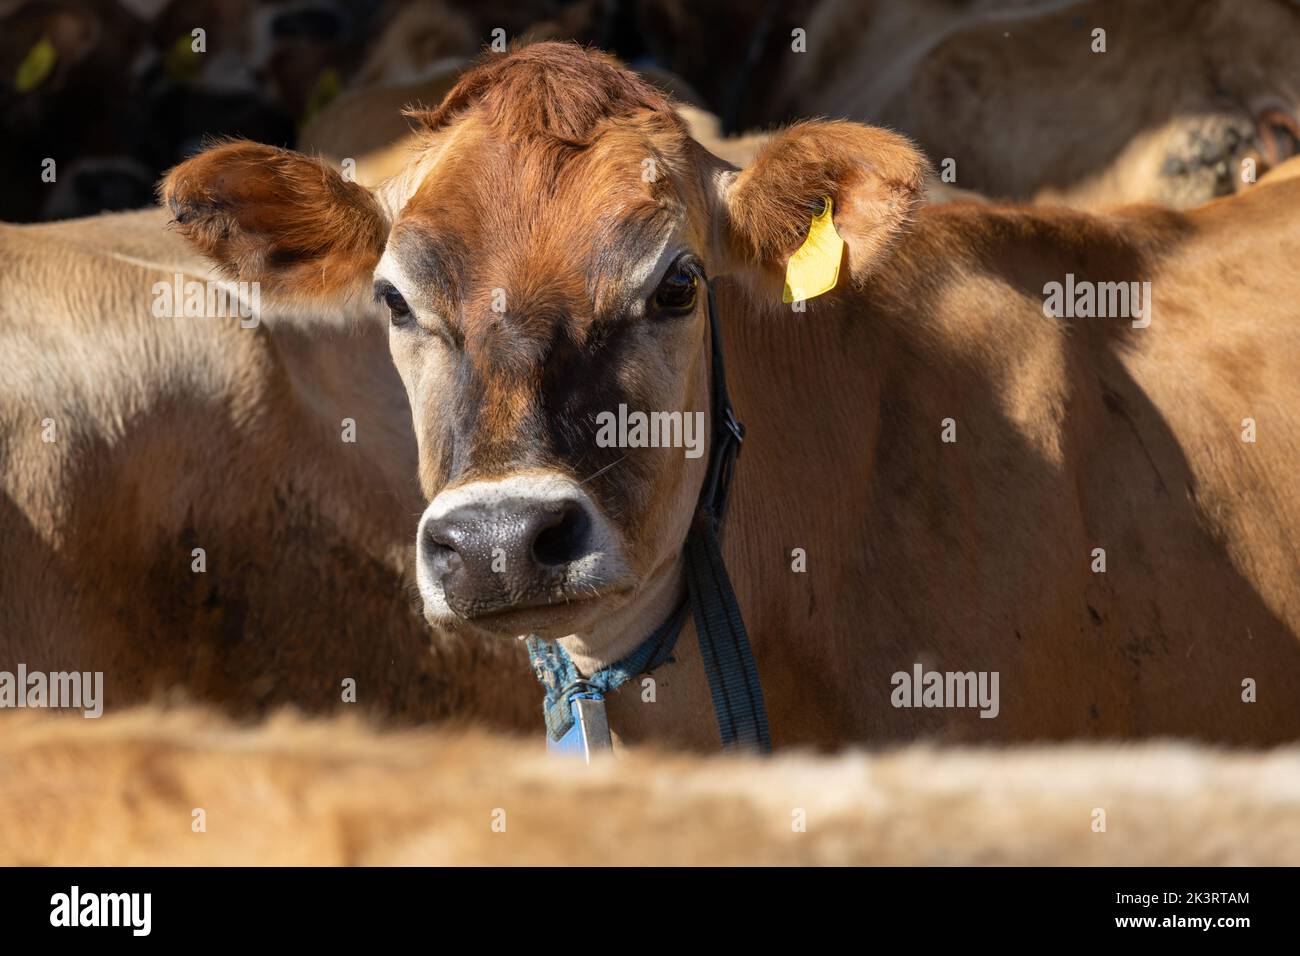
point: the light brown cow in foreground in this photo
(128, 439)
(975, 486)
(124, 790)
(1019, 95)
(948, 458)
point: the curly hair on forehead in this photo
(557, 90)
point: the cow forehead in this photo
(564, 224)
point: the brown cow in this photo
(939, 475)
(1023, 99)
(129, 439)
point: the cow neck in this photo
(724, 644)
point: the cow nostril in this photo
(564, 538)
(440, 550)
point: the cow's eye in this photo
(676, 293)
(399, 311)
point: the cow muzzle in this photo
(520, 550)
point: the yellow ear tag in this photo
(37, 65)
(815, 266)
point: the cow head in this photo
(542, 265)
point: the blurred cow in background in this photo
(1086, 103)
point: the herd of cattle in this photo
(941, 468)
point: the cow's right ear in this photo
(873, 179)
(278, 218)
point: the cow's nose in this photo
(509, 555)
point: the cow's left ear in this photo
(284, 220)
(874, 179)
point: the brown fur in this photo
(122, 791)
(372, 125)
(961, 556)
(308, 223)
(539, 89)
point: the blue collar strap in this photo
(561, 680)
(724, 644)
